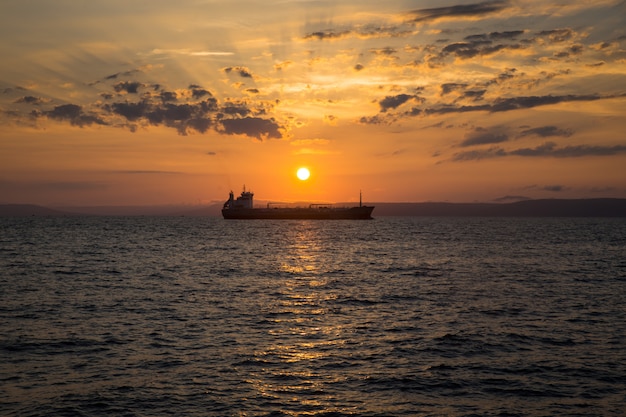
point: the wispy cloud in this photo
(546, 150)
(190, 52)
(458, 11)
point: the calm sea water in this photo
(149, 316)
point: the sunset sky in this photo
(158, 102)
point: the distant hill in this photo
(29, 210)
(596, 207)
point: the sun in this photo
(303, 174)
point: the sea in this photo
(396, 316)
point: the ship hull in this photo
(321, 213)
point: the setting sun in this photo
(303, 174)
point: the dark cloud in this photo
(517, 103)
(358, 67)
(482, 137)
(326, 35)
(367, 31)
(130, 111)
(131, 87)
(449, 108)
(466, 50)
(252, 126)
(415, 111)
(187, 110)
(546, 131)
(447, 88)
(383, 51)
(199, 124)
(10, 90)
(198, 92)
(183, 117)
(554, 188)
(557, 35)
(587, 150)
(547, 150)
(73, 114)
(30, 100)
(511, 34)
(458, 11)
(168, 96)
(474, 94)
(477, 155)
(124, 73)
(374, 120)
(392, 102)
(242, 71)
(237, 109)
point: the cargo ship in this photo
(243, 208)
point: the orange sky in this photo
(153, 102)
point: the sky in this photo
(142, 102)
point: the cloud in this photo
(554, 188)
(548, 150)
(482, 137)
(458, 11)
(383, 51)
(557, 35)
(475, 95)
(447, 88)
(518, 103)
(194, 109)
(326, 35)
(238, 109)
(367, 31)
(466, 50)
(253, 127)
(73, 114)
(528, 102)
(546, 131)
(392, 102)
(124, 73)
(375, 120)
(182, 117)
(131, 111)
(131, 87)
(510, 34)
(477, 155)
(242, 71)
(198, 92)
(31, 100)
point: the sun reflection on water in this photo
(298, 350)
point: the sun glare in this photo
(303, 174)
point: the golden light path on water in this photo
(305, 333)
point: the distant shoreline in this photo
(592, 207)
